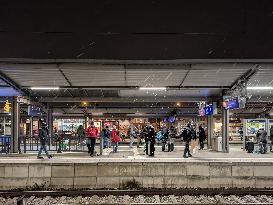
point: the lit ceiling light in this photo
(44, 88)
(152, 88)
(260, 88)
(178, 104)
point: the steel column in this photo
(15, 125)
(50, 120)
(210, 130)
(225, 130)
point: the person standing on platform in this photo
(187, 136)
(115, 139)
(271, 137)
(105, 136)
(262, 140)
(139, 134)
(202, 136)
(91, 135)
(149, 133)
(43, 137)
(164, 131)
(131, 134)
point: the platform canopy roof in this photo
(110, 86)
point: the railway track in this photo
(136, 197)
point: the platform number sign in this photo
(208, 109)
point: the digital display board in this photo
(230, 104)
(34, 111)
(172, 119)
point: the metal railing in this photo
(61, 143)
(5, 144)
(54, 143)
(58, 143)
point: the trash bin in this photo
(219, 144)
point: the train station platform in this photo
(114, 170)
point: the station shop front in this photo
(70, 125)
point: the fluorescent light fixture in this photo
(152, 88)
(259, 88)
(44, 88)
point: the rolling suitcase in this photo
(250, 147)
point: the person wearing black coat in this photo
(187, 136)
(149, 133)
(271, 137)
(202, 137)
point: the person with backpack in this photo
(91, 135)
(115, 139)
(43, 138)
(187, 136)
(80, 135)
(164, 136)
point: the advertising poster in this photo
(252, 126)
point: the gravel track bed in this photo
(168, 199)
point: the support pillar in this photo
(210, 131)
(85, 122)
(31, 127)
(50, 121)
(15, 116)
(225, 130)
(244, 134)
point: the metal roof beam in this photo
(109, 99)
(12, 84)
(246, 76)
(132, 62)
(137, 87)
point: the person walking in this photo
(202, 137)
(43, 138)
(114, 139)
(91, 135)
(80, 135)
(187, 136)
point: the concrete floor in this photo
(124, 152)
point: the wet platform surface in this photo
(125, 154)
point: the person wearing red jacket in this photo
(115, 139)
(91, 135)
